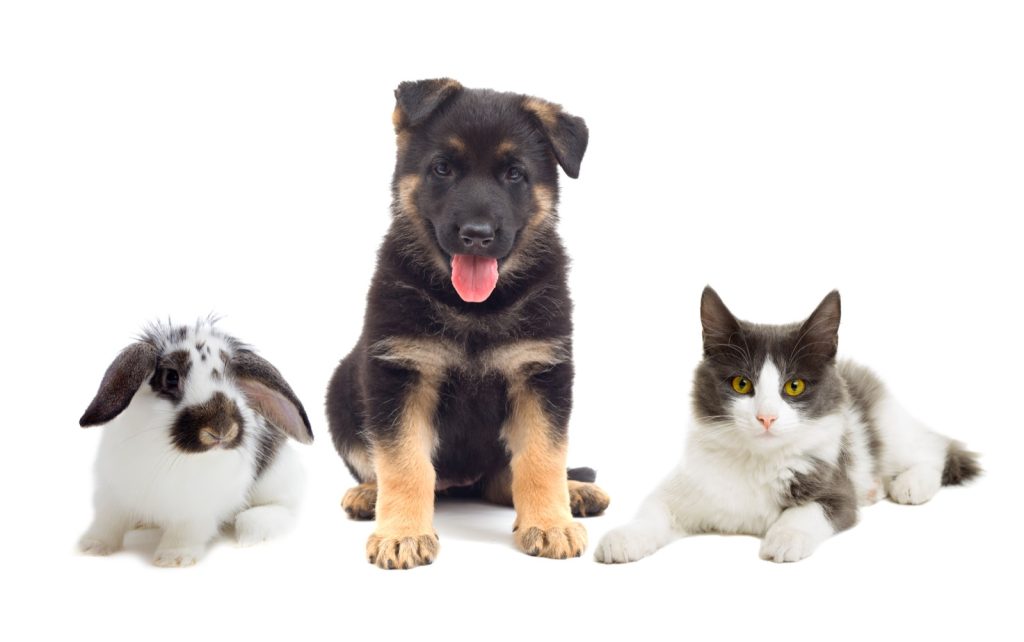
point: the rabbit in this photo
(196, 438)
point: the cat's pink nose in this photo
(767, 420)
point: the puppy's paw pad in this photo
(915, 486)
(786, 545)
(177, 557)
(402, 552)
(587, 500)
(95, 546)
(556, 542)
(624, 545)
(360, 501)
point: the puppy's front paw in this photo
(587, 500)
(625, 544)
(360, 502)
(555, 542)
(787, 545)
(177, 557)
(398, 551)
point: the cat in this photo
(787, 443)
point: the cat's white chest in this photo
(731, 495)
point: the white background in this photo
(189, 158)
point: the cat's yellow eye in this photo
(795, 388)
(741, 385)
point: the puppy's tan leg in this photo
(585, 499)
(359, 501)
(405, 535)
(540, 493)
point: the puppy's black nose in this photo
(476, 234)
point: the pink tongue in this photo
(474, 277)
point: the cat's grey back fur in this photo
(866, 390)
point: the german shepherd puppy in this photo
(462, 378)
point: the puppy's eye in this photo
(514, 174)
(170, 379)
(742, 385)
(442, 168)
(795, 388)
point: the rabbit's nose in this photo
(231, 433)
(218, 436)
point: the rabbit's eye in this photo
(170, 379)
(166, 382)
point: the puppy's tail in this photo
(586, 475)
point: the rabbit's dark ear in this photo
(270, 395)
(120, 382)
(567, 134)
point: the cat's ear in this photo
(819, 334)
(718, 323)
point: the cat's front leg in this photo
(651, 529)
(797, 532)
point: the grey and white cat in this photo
(787, 442)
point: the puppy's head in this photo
(477, 178)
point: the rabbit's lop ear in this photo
(120, 382)
(270, 395)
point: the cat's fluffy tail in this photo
(961, 465)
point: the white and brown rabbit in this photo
(196, 438)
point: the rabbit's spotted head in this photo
(210, 389)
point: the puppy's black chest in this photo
(470, 412)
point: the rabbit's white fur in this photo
(142, 480)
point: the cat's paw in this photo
(787, 545)
(625, 544)
(177, 557)
(915, 485)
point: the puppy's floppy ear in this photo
(415, 101)
(718, 323)
(567, 134)
(120, 382)
(820, 332)
(270, 395)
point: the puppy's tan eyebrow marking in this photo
(506, 148)
(457, 144)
